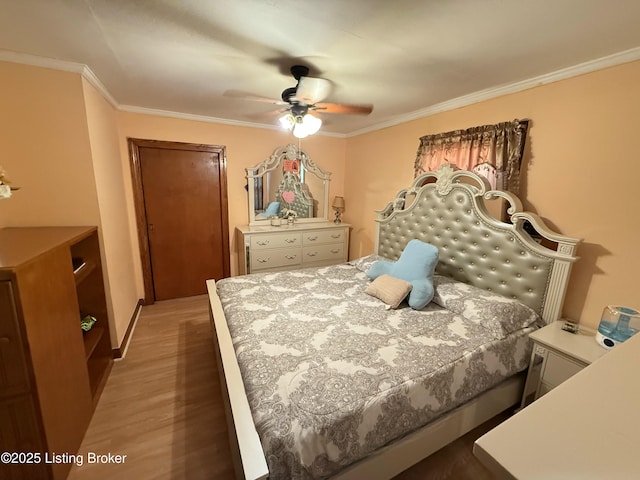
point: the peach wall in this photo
(581, 171)
(245, 147)
(118, 254)
(60, 145)
(576, 162)
(45, 148)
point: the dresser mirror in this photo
(288, 184)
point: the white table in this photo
(587, 428)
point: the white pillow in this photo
(390, 290)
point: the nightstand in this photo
(557, 355)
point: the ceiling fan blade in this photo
(343, 108)
(268, 115)
(311, 90)
(252, 97)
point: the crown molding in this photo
(619, 58)
(63, 65)
(44, 62)
(204, 118)
(90, 77)
(494, 92)
(189, 116)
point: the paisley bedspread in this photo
(332, 375)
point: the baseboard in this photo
(118, 353)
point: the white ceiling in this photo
(404, 57)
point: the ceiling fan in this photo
(307, 97)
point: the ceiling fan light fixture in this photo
(311, 123)
(287, 121)
(299, 129)
(300, 125)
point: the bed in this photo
(322, 380)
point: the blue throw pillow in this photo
(415, 265)
(272, 209)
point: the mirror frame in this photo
(287, 152)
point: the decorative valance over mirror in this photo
(288, 184)
(493, 151)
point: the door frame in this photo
(141, 215)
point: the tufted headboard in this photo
(446, 208)
(302, 202)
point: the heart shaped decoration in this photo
(288, 196)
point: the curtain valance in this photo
(494, 151)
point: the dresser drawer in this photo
(276, 240)
(287, 248)
(324, 236)
(13, 365)
(321, 253)
(21, 433)
(275, 258)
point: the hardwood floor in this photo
(161, 405)
(162, 408)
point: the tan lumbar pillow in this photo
(390, 290)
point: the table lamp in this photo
(338, 206)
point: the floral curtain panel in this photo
(493, 151)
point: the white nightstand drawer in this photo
(319, 253)
(278, 240)
(558, 369)
(275, 258)
(316, 237)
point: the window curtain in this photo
(493, 151)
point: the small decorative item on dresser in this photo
(338, 206)
(5, 189)
(275, 220)
(291, 216)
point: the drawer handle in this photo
(290, 240)
(540, 350)
(5, 340)
(312, 239)
(262, 242)
(312, 254)
(336, 235)
(290, 257)
(335, 251)
(263, 260)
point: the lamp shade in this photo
(311, 123)
(300, 125)
(338, 202)
(287, 121)
(299, 129)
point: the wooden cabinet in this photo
(262, 249)
(51, 373)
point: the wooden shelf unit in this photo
(91, 301)
(51, 373)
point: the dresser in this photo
(287, 247)
(51, 373)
